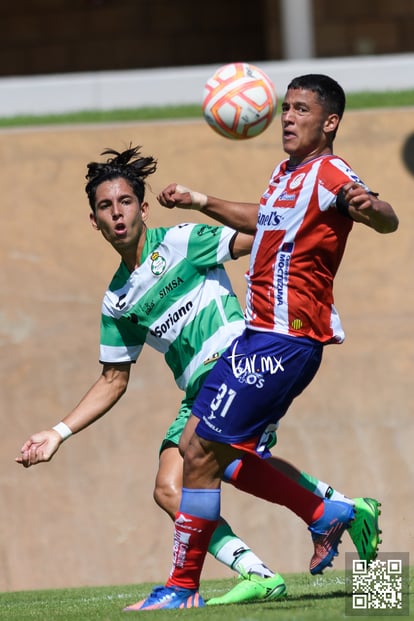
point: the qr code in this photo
(379, 586)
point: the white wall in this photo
(56, 94)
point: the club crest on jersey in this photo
(296, 181)
(158, 264)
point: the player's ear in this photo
(144, 210)
(331, 123)
(92, 218)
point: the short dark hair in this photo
(128, 164)
(330, 93)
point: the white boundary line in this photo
(109, 90)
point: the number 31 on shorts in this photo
(223, 400)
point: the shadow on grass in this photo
(292, 600)
(286, 602)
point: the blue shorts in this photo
(252, 385)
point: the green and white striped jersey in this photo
(179, 301)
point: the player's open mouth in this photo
(120, 229)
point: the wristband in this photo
(63, 430)
(198, 200)
(342, 204)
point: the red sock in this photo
(191, 538)
(257, 477)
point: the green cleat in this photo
(364, 530)
(252, 588)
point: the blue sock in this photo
(203, 503)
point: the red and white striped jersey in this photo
(298, 246)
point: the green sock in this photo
(230, 550)
(319, 488)
(308, 481)
(222, 535)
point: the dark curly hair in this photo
(129, 165)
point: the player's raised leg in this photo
(364, 529)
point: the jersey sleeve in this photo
(335, 174)
(209, 246)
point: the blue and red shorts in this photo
(252, 385)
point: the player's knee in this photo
(167, 497)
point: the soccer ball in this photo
(239, 101)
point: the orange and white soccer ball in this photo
(239, 101)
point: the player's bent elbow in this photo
(389, 226)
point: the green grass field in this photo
(320, 598)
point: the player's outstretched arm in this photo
(239, 216)
(366, 208)
(100, 398)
